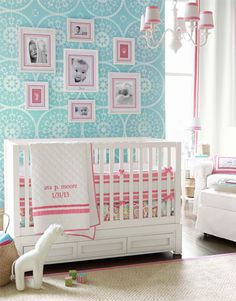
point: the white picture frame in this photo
(81, 111)
(124, 93)
(36, 96)
(80, 70)
(124, 51)
(37, 49)
(80, 30)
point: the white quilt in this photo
(63, 188)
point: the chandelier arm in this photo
(206, 39)
(205, 35)
(190, 37)
(151, 41)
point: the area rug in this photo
(205, 278)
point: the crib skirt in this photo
(121, 201)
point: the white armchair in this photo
(215, 210)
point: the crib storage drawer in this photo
(101, 248)
(152, 243)
(59, 252)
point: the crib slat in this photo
(168, 179)
(26, 173)
(111, 158)
(96, 155)
(131, 183)
(121, 160)
(140, 182)
(14, 192)
(159, 181)
(150, 173)
(177, 182)
(101, 173)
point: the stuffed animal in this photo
(34, 259)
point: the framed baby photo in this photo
(36, 96)
(37, 49)
(80, 70)
(80, 30)
(81, 111)
(124, 51)
(124, 93)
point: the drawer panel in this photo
(100, 248)
(59, 252)
(149, 243)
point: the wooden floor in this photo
(194, 245)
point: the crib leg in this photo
(177, 256)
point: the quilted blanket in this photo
(63, 188)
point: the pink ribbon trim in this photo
(59, 212)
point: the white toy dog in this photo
(34, 259)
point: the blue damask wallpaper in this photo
(113, 18)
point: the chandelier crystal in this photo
(183, 27)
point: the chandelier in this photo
(183, 27)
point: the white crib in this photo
(137, 183)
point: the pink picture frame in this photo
(37, 49)
(36, 96)
(124, 51)
(80, 30)
(124, 93)
(80, 70)
(81, 111)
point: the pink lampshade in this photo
(143, 26)
(152, 15)
(191, 12)
(206, 20)
(181, 24)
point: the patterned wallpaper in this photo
(113, 18)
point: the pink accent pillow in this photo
(224, 165)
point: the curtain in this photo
(217, 80)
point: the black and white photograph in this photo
(80, 70)
(80, 30)
(124, 93)
(37, 49)
(81, 110)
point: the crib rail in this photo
(139, 180)
(148, 158)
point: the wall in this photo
(113, 18)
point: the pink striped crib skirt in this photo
(120, 201)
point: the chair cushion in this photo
(215, 178)
(218, 199)
(226, 185)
